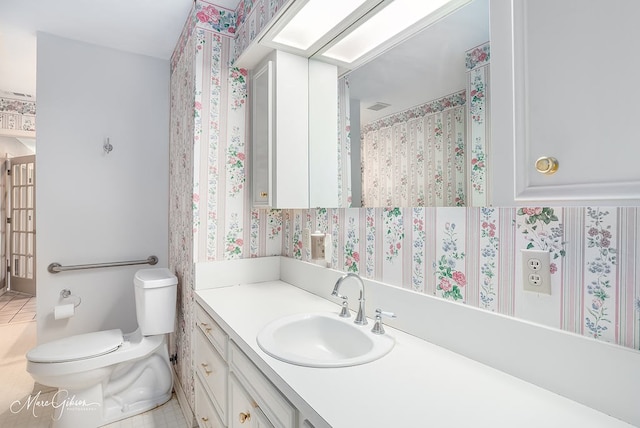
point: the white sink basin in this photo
(322, 340)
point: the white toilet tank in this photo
(155, 291)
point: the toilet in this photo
(106, 376)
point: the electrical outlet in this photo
(536, 271)
(534, 264)
(535, 279)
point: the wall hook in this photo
(107, 147)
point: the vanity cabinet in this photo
(206, 413)
(230, 391)
(563, 86)
(263, 393)
(211, 372)
(242, 405)
(280, 131)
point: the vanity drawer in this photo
(212, 331)
(206, 415)
(243, 410)
(279, 411)
(213, 371)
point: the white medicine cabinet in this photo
(280, 127)
(563, 89)
(294, 132)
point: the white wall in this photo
(93, 207)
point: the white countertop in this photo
(417, 384)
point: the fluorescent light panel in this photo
(314, 20)
(394, 18)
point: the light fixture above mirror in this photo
(307, 25)
(314, 20)
(349, 33)
(373, 34)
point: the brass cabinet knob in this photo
(547, 165)
(205, 326)
(244, 417)
(206, 370)
(263, 194)
(204, 419)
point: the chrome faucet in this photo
(361, 319)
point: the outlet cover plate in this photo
(536, 271)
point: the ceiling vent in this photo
(378, 106)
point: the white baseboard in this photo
(183, 402)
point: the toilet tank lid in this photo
(77, 347)
(154, 278)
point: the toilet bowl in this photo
(106, 376)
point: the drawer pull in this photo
(204, 419)
(244, 417)
(206, 370)
(205, 326)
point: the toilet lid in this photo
(77, 347)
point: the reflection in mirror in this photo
(418, 117)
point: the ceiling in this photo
(146, 27)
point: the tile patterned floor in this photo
(17, 336)
(17, 307)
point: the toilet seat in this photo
(78, 347)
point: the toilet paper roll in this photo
(61, 312)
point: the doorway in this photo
(21, 225)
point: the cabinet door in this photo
(563, 86)
(261, 420)
(280, 132)
(206, 415)
(212, 369)
(323, 135)
(244, 410)
(262, 135)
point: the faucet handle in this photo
(344, 312)
(378, 328)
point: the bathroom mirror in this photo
(410, 109)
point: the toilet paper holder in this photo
(65, 294)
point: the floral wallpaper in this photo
(17, 112)
(215, 18)
(344, 144)
(182, 205)
(472, 256)
(479, 138)
(468, 255)
(416, 157)
(251, 18)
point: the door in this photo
(22, 272)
